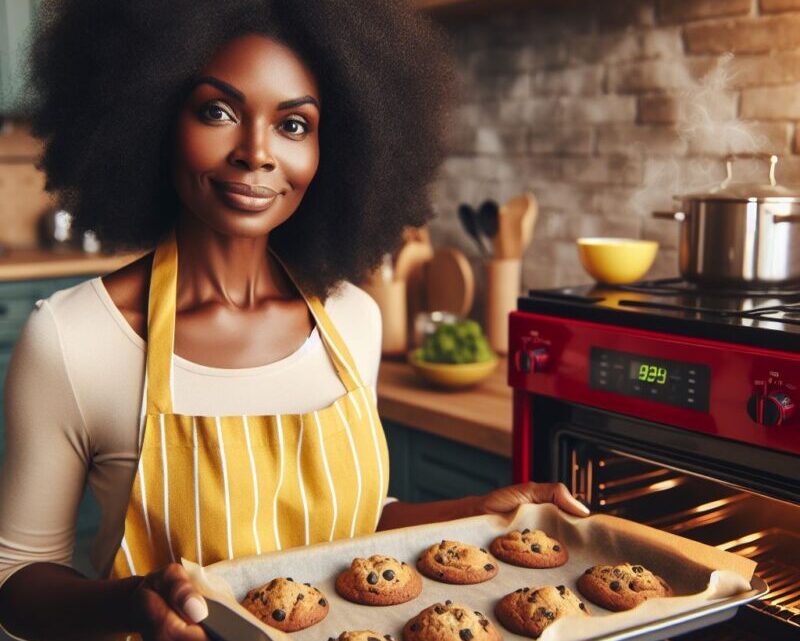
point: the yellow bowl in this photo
(452, 375)
(616, 261)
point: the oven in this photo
(682, 420)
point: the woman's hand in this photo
(168, 607)
(507, 499)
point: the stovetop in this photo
(759, 317)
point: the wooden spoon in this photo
(517, 218)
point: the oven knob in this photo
(773, 409)
(540, 357)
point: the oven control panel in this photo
(731, 391)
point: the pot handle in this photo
(789, 218)
(670, 215)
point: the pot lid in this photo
(748, 191)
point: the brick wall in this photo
(601, 109)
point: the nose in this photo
(253, 151)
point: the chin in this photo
(232, 222)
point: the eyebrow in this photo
(233, 92)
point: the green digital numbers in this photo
(652, 374)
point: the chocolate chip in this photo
(301, 596)
(438, 558)
(278, 615)
(617, 573)
(448, 602)
(331, 639)
(561, 589)
(536, 548)
(526, 589)
(465, 634)
(288, 578)
(373, 639)
(323, 602)
(556, 548)
(488, 567)
(308, 585)
(441, 574)
(478, 614)
(581, 606)
(372, 578)
(518, 591)
(541, 611)
(548, 614)
(638, 569)
(531, 598)
(632, 587)
(388, 637)
(402, 562)
(272, 584)
(459, 615)
(415, 627)
(614, 585)
(438, 609)
(525, 531)
(484, 623)
(484, 551)
(388, 575)
(589, 571)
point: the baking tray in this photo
(710, 584)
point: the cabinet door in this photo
(430, 468)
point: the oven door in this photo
(741, 499)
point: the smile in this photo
(242, 197)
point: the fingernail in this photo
(195, 608)
(582, 507)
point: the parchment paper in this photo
(699, 574)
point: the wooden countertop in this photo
(25, 264)
(480, 416)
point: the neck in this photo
(235, 271)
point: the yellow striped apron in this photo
(209, 488)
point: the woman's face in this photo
(247, 143)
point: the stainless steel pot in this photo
(740, 235)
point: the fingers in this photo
(174, 585)
(556, 493)
(171, 606)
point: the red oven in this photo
(674, 407)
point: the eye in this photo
(215, 112)
(296, 127)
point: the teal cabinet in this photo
(424, 467)
(16, 302)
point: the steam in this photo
(706, 123)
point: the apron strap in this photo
(161, 326)
(161, 330)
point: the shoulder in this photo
(357, 317)
(350, 304)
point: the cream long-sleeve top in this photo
(72, 401)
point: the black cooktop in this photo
(768, 318)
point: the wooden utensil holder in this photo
(504, 277)
(391, 298)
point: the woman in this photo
(271, 152)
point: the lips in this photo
(245, 197)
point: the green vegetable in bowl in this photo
(457, 343)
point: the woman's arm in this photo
(500, 501)
(45, 601)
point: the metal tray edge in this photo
(758, 589)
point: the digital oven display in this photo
(657, 379)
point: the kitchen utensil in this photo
(223, 624)
(488, 222)
(740, 234)
(411, 256)
(503, 284)
(410, 266)
(450, 283)
(516, 220)
(469, 221)
(450, 375)
(616, 260)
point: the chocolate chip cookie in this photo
(529, 549)
(450, 621)
(287, 605)
(454, 562)
(362, 635)
(528, 611)
(621, 587)
(379, 580)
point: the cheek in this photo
(197, 148)
(300, 162)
